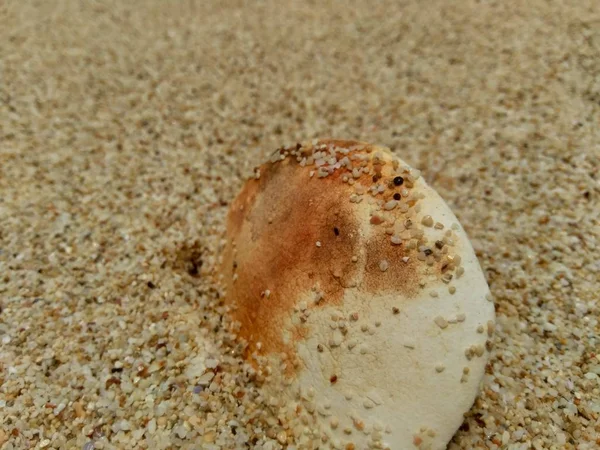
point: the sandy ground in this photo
(126, 128)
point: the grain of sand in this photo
(126, 128)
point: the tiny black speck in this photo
(336, 231)
(193, 270)
(428, 251)
(151, 285)
(398, 181)
(397, 196)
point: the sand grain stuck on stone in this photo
(126, 128)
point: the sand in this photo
(126, 129)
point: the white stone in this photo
(388, 371)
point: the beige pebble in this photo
(441, 322)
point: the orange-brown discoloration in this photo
(276, 222)
(282, 256)
(240, 206)
(401, 277)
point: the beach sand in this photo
(126, 129)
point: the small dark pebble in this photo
(193, 270)
(397, 196)
(439, 244)
(398, 181)
(336, 230)
(428, 251)
(479, 420)
(151, 285)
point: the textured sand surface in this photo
(126, 128)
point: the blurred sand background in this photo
(126, 128)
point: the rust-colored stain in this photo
(282, 256)
(276, 222)
(401, 277)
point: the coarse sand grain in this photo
(126, 129)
